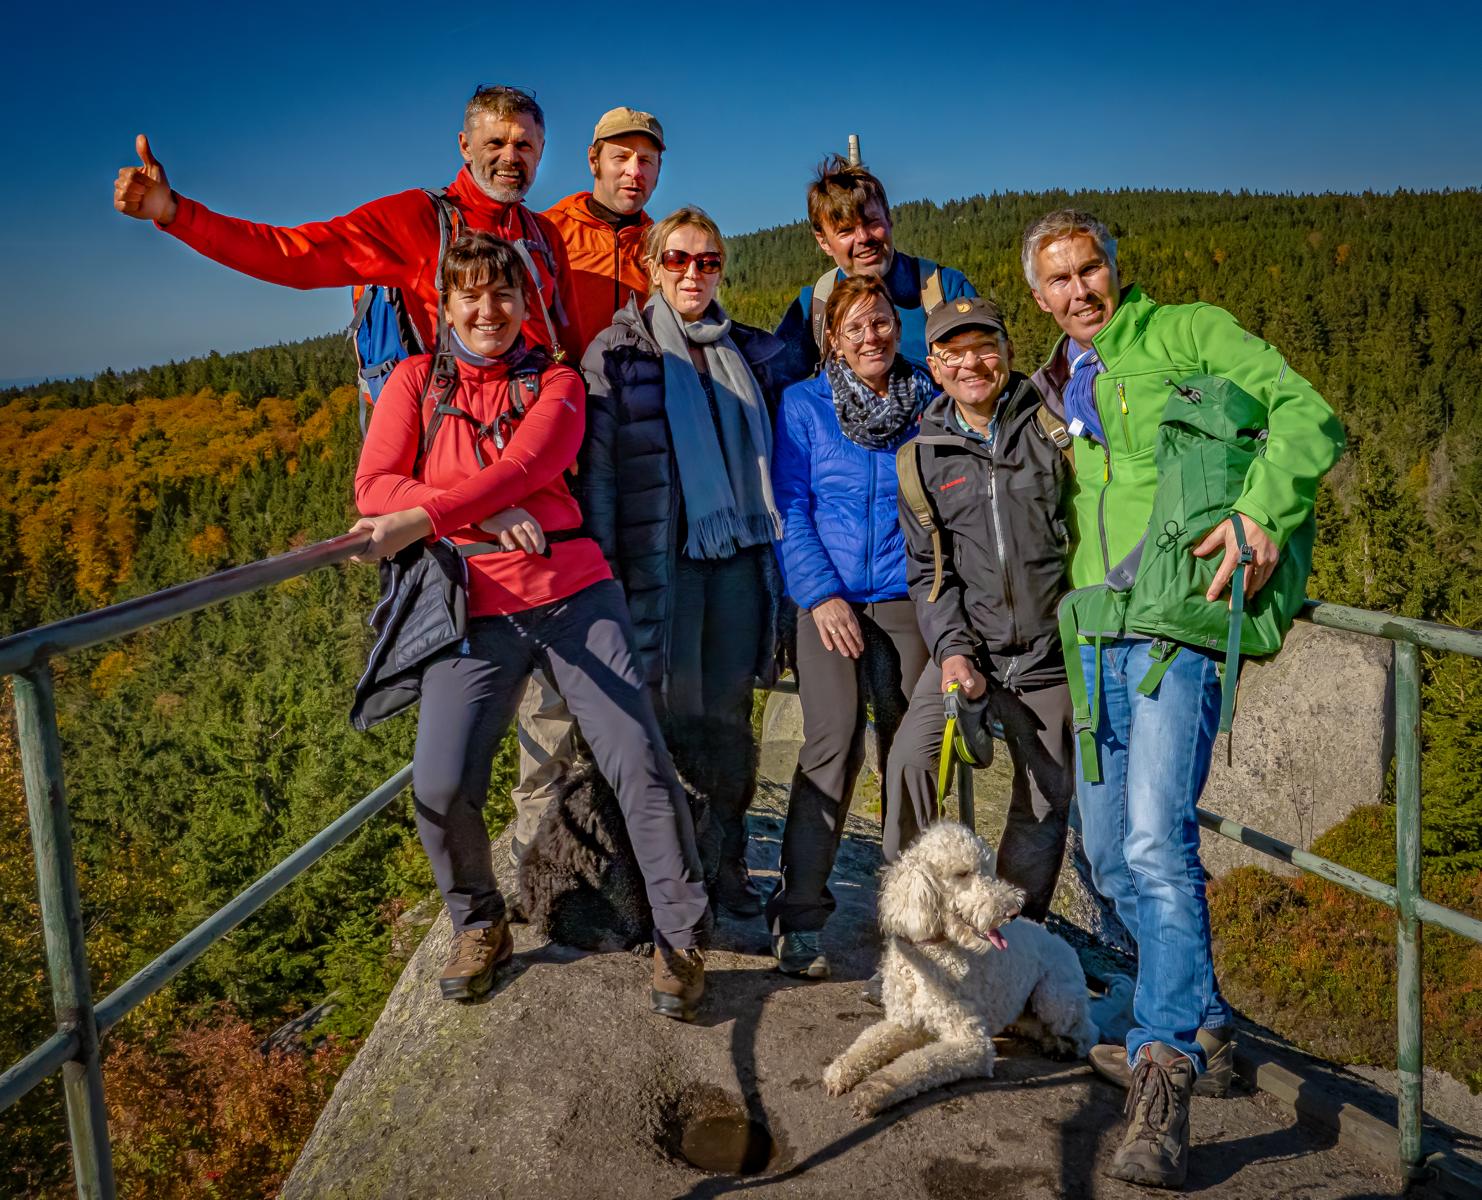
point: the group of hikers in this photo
(637, 534)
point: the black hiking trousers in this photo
(1036, 725)
(469, 698)
(834, 691)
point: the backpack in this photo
(1211, 432)
(381, 327)
(928, 278)
(913, 490)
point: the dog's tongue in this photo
(995, 939)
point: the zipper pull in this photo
(1122, 396)
(1105, 465)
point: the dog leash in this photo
(949, 746)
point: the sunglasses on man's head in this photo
(678, 261)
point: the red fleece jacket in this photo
(457, 493)
(392, 241)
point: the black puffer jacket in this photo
(628, 480)
(1004, 540)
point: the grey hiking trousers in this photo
(1036, 725)
(469, 698)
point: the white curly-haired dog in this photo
(957, 970)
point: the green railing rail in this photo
(75, 1048)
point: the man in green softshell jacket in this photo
(1109, 376)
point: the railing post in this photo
(61, 920)
(1410, 1054)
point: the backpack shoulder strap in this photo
(441, 383)
(1054, 428)
(908, 474)
(449, 225)
(929, 279)
(822, 290)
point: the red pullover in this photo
(392, 241)
(457, 493)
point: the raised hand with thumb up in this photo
(143, 191)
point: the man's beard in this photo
(501, 192)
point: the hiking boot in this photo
(1155, 1150)
(472, 960)
(734, 891)
(679, 982)
(800, 954)
(1110, 1062)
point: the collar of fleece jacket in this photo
(482, 212)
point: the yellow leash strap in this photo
(944, 771)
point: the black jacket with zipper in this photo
(628, 480)
(1004, 541)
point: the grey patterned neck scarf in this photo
(870, 420)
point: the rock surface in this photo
(560, 1084)
(1312, 741)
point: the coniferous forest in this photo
(201, 752)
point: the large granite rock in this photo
(1313, 736)
(562, 1085)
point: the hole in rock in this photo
(713, 1132)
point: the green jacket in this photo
(1145, 345)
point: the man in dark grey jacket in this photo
(995, 484)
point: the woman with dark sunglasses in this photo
(844, 563)
(675, 482)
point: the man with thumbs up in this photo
(394, 241)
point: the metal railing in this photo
(75, 1048)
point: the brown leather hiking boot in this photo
(1109, 1060)
(472, 960)
(1155, 1150)
(679, 982)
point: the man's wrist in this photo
(172, 210)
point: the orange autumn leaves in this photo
(79, 484)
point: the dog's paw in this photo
(871, 1097)
(1060, 1048)
(835, 1081)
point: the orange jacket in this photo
(604, 268)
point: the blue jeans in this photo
(1142, 836)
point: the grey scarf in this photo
(727, 480)
(869, 420)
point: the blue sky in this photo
(291, 112)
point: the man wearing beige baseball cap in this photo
(603, 228)
(602, 231)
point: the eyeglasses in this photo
(882, 327)
(678, 261)
(982, 352)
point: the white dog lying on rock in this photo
(958, 969)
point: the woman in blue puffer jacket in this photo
(844, 564)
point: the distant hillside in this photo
(320, 363)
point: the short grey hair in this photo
(1063, 223)
(504, 103)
